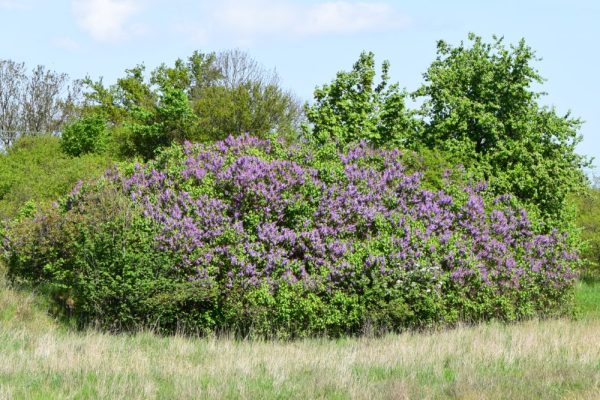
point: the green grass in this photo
(550, 359)
(587, 297)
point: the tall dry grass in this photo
(535, 359)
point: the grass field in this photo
(535, 359)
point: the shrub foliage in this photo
(257, 237)
(588, 219)
(36, 170)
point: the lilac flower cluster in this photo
(246, 212)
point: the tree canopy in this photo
(206, 97)
(480, 104)
(479, 108)
(353, 108)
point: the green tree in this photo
(206, 97)
(244, 97)
(352, 108)
(199, 71)
(85, 135)
(481, 108)
(170, 120)
(144, 115)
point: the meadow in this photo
(549, 359)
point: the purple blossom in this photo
(234, 212)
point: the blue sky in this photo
(307, 42)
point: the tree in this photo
(352, 108)
(244, 97)
(207, 97)
(12, 76)
(144, 115)
(480, 106)
(170, 120)
(198, 72)
(84, 135)
(35, 103)
(48, 100)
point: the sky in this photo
(308, 41)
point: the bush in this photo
(588, 219)
(35, 169)
(255, 237)
(83, 136)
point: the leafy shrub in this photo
(253, 236)
(35, 169)
(588, 219)
(86, 135)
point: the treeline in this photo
(204, 98)
(462, 208)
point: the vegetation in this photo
(588, 219)
(351, 108)
(254, 237)
(550, 359)
(480, 106)
(479, 110)
(206, 98)
(33, 103)
(353, 225)
(369, 219)
(84, 136)
(35, 170)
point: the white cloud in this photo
(255, 18)
(107, 20)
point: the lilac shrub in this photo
(292, 241)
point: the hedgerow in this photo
(256, 237)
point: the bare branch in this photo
(41, 101)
